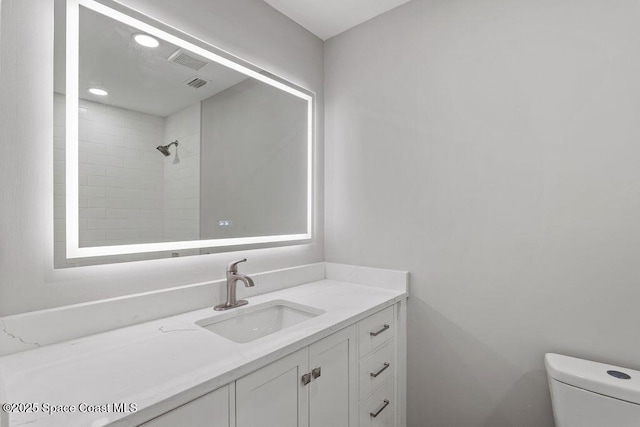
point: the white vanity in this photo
(327, 353)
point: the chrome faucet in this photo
(232, 278)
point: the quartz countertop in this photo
(165, 363)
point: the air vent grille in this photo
(196, 82)
(184, 59)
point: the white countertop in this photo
(164, 363)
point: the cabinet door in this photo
(333, 400)
(210, 410)
(275, 396)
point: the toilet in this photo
(592, 394)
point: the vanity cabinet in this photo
(348, 379)
(210, 410)
(314, 387)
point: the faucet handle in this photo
(233, 266)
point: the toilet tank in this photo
(592, 394)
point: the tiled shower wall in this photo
(182, 179)
(121, 176)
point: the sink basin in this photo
(255, 322)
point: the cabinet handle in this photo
(386, 365)
(316, 372)
(306, 379)
(375, 334)
(386, 403)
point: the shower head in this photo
(164, 149)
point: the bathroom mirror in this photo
(165, 145)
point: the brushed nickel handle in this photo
(306, 379)
(316, 372)
(386, 403)
(386, 365)
(375, 334)
(233, 266)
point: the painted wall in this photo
(251, 29)
(491, 148)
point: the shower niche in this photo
(167, 146)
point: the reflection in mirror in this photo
(172, 147)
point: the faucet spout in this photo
(233, 277)
(248, 281)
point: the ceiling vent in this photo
(183, 58)
(196, 82)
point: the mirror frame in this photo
(165, 32)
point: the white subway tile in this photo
(58, 212)
(92, 235)
(109, 224)
(152, 223)
(58, 166)
(123, 214)
(97, 202)
(151, 233)
(185, 224)
(105, 181)
(142, 184)
(150, 214)
(87, 191)
(89, 169)
(151, 194)
(156, 204)
(122, 193)
(122, 234)
(59, 132)
(92, 213)
(90, 147)
(59, 177)
(120, 152)
(59, 155)
(113, 129)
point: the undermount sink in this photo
(255, 322)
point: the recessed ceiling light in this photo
(99, 92)
(146, 40)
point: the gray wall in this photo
(491, 148)
(249, 28)
(254, 162)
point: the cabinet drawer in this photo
(380, 409)
(377, 368)
(375, 330)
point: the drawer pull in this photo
(386, 365)
(375, 334)
(386, 403)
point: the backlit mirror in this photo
(165, 145)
